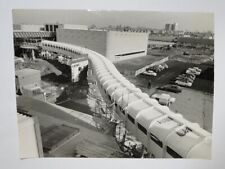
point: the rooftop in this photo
(29, 34)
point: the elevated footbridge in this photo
(164, 134)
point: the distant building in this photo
(72, 26)
(51, 27)
(167, 27)
(28, 27)
(30, 143)
(171, 27)
(174, 27)
(115, 45)
(54, 27)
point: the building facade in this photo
(76, 68)
(115, 45)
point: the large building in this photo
(27, 35)
(114, 45)
(171, 27)
(167, 27)
(174, 26)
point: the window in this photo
(131, 118)
(170, 118)
(172, 153)
(142, 128)
(156, 140)
(46, 27)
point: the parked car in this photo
(150, 73)
(197, 69)
(158, 68)
(165, 65)
(164, 99)
(185, 79)
(155, 69)
(171, 88)
(181, 76)
(192, 71)
(191, 76)
(181, 83)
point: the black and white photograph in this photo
(114, 83)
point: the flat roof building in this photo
(115, 45)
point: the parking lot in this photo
(195, 103)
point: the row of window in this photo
(142, 129)
(172, 153)
(131, 118)
(155, 139)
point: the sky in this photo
(191, 21)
